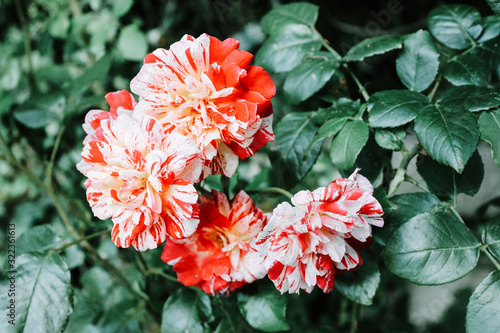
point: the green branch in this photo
(401, 172)
(490, 256)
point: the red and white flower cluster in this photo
(201, 107)
(218, 257)
(306, 244)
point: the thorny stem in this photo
(272, 190)
(67, 222)
(401, 172)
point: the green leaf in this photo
(266, 310)
(495, 5)
(393, 108)
(39, 111)
(391, 140)
(121, 7)
(83, 314)
(446, 183)
(456, 26)
(342, 108)
(407, 206)
(43, 302)
(360, 285)
(489, 126)
(284, 50)
(418, 64)
(6, 102)
(308, 78)
(489, 51)
(472, 98)
(330, 128)
(214, 182)
(38, 239)
(482, 310)
(32, 118)
(373, 46)
(491, 236)
(371, 160)
(449, 135)
(132, 43)
(293, 134)
(412, 204)
(294, 13)
(348, 144)
(491, 28)
(468, 69)
(431, 249)
(185, 311)
(59, 25)
(232, 321)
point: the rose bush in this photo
(220, 188)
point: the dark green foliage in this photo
(349, 95)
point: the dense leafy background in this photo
(388, 86)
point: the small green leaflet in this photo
(393, 108)
(456, 26)
(482, 310)
(449, 135)
(360, 285)
(348, 144)
(489, 126)
(468, 69)
(185, 311)
(491, 236)
(330, 128)
(265, 311)
(431, 249)
(472, 98)
(491, 28)
(446, 183)
(284, 50)
(294, 13)
(391, 140)
(44, 300)
(294, 133)
(418, 64)
(407, 205)
(373, 46)
(308, 78)
(495, 5)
